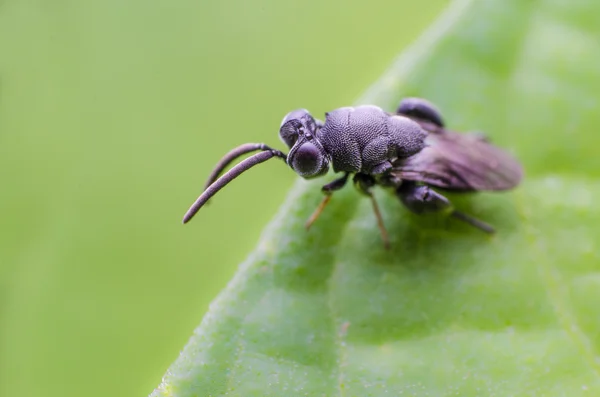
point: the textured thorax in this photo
(359, 138)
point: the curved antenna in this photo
(228, 177)
(232, 155)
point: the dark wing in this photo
(460, 162)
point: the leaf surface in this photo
(448, 310)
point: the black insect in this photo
(410, 151)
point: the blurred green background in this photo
(112, 114)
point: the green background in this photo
(111, 115)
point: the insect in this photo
(409, 151)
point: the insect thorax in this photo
(360, 138)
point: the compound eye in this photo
(307, 160)
(289, 133)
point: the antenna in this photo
(233, 173)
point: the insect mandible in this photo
(409, 151)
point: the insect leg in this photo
(473, 222)
(381, 168)
(328, 191)
(420, 199)
(364, 183)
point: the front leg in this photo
(327, 191)
(335, 185)
(421, 199)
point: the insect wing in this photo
(460, 162)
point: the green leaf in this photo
(448, 310)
